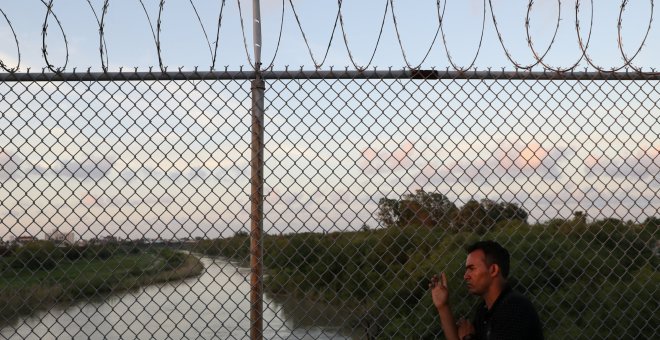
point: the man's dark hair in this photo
(495, 254)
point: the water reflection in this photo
(214, 305)
(302, 313)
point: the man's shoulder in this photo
(516, 297)
(517, 301)
(516, 315)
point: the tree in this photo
(510, 211)
(388, 211)
(579, 217)
(650, 231)
(486, 214)
(652, 223)
(472, 217)
(420, 209)
(427, 209)
(435, 210)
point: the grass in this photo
(22, 292)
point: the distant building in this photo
(103, 240)
(61, 239)
(24, 239)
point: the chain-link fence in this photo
(126, 201)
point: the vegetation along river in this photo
(213, 305)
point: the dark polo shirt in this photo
(513, 317)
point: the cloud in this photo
(643, 162)
(99, 200)
(527, 160)
(507, 161)
(9, 161)
(197, 172)
(619, 200)
(531, 156)
(401, 158)
(127, 174)
(88, 200)
(144, 171)
(93, 168)
(174, 174)
(13, 165)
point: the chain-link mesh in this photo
(125, 204)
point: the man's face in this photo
(477, 274)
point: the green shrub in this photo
(173, 259)
(6, 250)
(73, 253)
(37, 255)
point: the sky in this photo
(130, 42)
(171, 159)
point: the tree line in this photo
(435, 210)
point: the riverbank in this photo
(219, 296)
(24, 291)
(381, 275)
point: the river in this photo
(214, 305)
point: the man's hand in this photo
(439, 291)
(465, 328)
(440, 295)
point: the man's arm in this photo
(440, 295)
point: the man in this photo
(502, 313)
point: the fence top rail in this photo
(320, 74)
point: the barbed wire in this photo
(213, 51)
(537, 57)
(348, 49)
(628, 62)
(18, 63)
(44, 33)
(540, 56)
(317, 65)
(247, 52)
(444, 38)
(398, 37)
(102, 44)
(156, 34)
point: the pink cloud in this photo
(523, 159)
(591, 161)
(369, 154)
(531, 156)
(508, 159)
(88, 200)
(401, 153)
(402, 157)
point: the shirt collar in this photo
(505, 291)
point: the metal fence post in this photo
(257, 179)
(256, 218)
